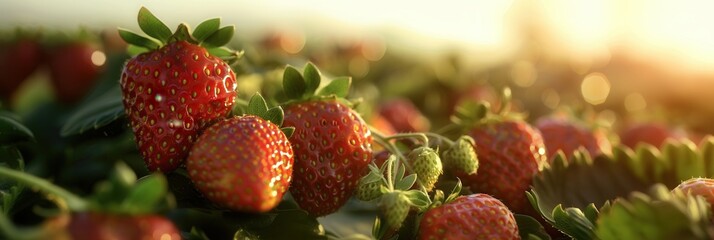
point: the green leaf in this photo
(219, 38)
(658, 214)
(275, 115)
(146, 194)
(95, 114)
(12, 131)
(418, 199)
(406, 183)
(257, 105)
(10, 190)
(134, 50)
(223, 53)
(138, 40)
(288, 131)
(152, 26)
(339, 87)
(312, 77)
(293, 83)
(528, 226)
(206, 29)
(455, 192)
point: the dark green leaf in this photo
(406, 183)
(10, 190)
(206, 29)
(339, 87)
(219, 38)
(152, 26)
(293, 83)
(138, 40)
(257, 105)
(146, 194)
(288, 131)
(312, 78)
(12, 131)
(455, 192)
(528, 226)
(96, 114)
(275, 115)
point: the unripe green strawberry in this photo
(368, 188)
(394, 208)
(461, 156)
(427, 166)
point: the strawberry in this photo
(175, 89)
(699, 186)
(18, 60)
(72, 71)
(244, 163)
(404, 116)
(461, 156)
(510, 153)
(98, 226)
(654, 134)
(427, 165)
(568, 136)
(477, 216)
(332, 143)
(394, 208)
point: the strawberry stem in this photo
(384, 142)
(446, 140)
(420, 136)
(11, 231)
(73, 202)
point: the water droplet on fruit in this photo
(159, 98)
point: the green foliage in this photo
(529, 228)
(206, 29)
(571, 194)
(12, 131)
(660, 214)
(96, 114)
(152, 26)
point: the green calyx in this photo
(394, 208)
(207, 34)
(470, 114)
(305, 86)
(259, 107)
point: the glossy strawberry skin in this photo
(648, 133)
(18, 61)
(72, 71)
(170, 95)
(332, 147)
(560, 134)
(510, 153)
(243, 163)
(98, 226)
(477, 216)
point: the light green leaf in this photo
(152, 26)
(206, 29)
(146, 194)
(406, 183)
(339, 87)
(293, 83)
(257, 105)
(219, 38)
(312, 77)
(138, 40)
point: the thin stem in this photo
(400, 158)
(441, 138)
(11, 231)
(420, 136)
(74, 202)
(390, 178)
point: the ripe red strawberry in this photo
(332, 144)
(477, 216)
(98, 226)
(649, 133)
(568, 136)
(703, 187)
(404, 116)
(244, 163)
(18, 60)
(332, 149)
(510, 154)
(172, 92)
(72, 71)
